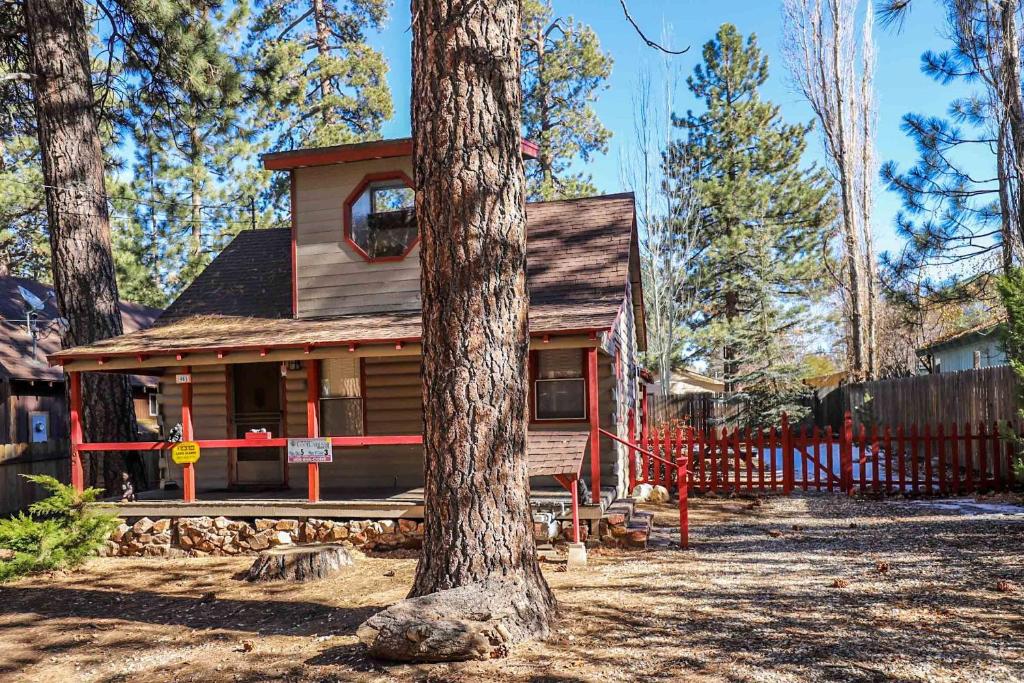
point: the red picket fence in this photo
(937, 460)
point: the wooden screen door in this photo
(257, 405)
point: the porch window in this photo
(380, 218)
(341, 401)
(559, 388)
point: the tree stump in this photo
(299, 563)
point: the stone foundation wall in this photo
(201, 536)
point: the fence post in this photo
(683, 479)
(846, 454)
(787, 457)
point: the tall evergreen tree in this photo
(321, 81)
(764, 218)
(23, 248)
(963, 199)
(192, 139)
(563, 70)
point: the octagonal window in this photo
(381, 219)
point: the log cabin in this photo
(314, 331)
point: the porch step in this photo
(624, 526)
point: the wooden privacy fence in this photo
(697, 410)
(17, 459)
(933, 460)
(968, 396)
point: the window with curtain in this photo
(559, 389)
(341, 402)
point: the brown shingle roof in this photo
(553, 453)
(250, 278)
(578, 263)
(16, 359)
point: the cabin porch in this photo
(335, 503)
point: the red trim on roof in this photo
(295, 255)
(180, 353)
(361, 151)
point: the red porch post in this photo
(574, 492)
(594, 415)
(188, 469)
(313, 424)
(75, 389)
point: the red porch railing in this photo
(79, 446)
(933, 460)
(681, 466)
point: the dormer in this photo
(355, 243)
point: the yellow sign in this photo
(186, 452)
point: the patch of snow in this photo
(972, 507)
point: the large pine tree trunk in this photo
(478, 586)
(83, 264)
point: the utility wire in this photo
(174, 220)
(145, 202)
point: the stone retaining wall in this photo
(202, 536)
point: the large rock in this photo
(142, 526)
(299, 563)
(659, 494)
(641, 492)
(280, 538)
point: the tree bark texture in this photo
(300, 563)
(82, 260)
(470, 207)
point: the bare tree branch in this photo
(650, 43)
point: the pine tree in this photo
(963, 201)
(1011, 291)
(321, 82)
(764, 220)
(563, 70)
(191, 136)
(24, 250)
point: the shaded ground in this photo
(754, 600)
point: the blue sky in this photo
(901, 87)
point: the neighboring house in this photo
(33, 398)
(978, 347)
(687, 381)
(316, 330)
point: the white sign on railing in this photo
(184, 378)
(309, 450)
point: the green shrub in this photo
(58, 533)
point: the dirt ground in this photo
(798, 589)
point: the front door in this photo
(257, 405)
